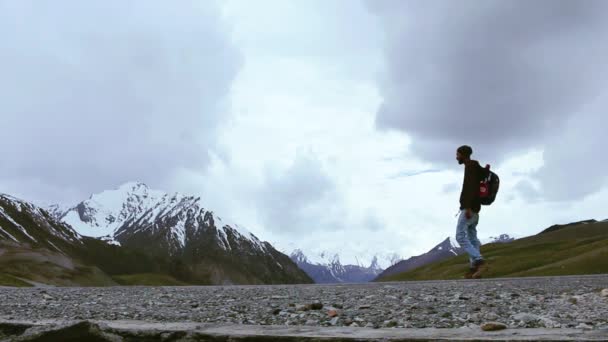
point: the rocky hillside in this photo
(35, 247)
(185, 237)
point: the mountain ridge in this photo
(179, 228)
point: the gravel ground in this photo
(556, 302)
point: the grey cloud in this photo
(502, 76)
(576, 159)
(528, 190)
(98, 93)
(302, 198)
(413, 173)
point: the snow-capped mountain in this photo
(446, 249)
(331, 270)
(448, 245)
(35, 247)
(179, 228)
(362, 258)
(113, 213)
(22, 222)
(502, 238)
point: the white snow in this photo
(221, 234)
(180, 231)
(360, 258)
(453, 243)
(8, 234)
(85, 229)
(125, 202)
(57, 248)
(20, 227)
(492, 239)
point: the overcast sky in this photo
(321, 125)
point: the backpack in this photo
(488, 186)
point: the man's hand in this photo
(468, 213)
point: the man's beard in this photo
(460, 161)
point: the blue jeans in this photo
(466, 236)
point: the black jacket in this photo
(469, 196)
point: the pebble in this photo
(584, 326)
(525, 317)
(493, 326)
(314, 306)
(525, 302)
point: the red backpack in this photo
(488, 186)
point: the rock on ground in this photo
(517, 303)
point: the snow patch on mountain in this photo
(20, 227)
(502, 238)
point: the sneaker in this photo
(470, 272)
(481, 266)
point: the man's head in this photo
(463, 153)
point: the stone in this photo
(526, 317)
(334, 320)
(311, 322)
(314, 306)
(491, 316)
(391, 324)
(584, 326)
(332, 313)
(493, 326)
(604, 293)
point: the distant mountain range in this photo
(327, 268)
(332, 271)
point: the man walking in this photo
(470, 205)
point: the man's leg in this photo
(462, 238)
(472, 235)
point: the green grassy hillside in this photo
(9, 280)
(570, 250)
